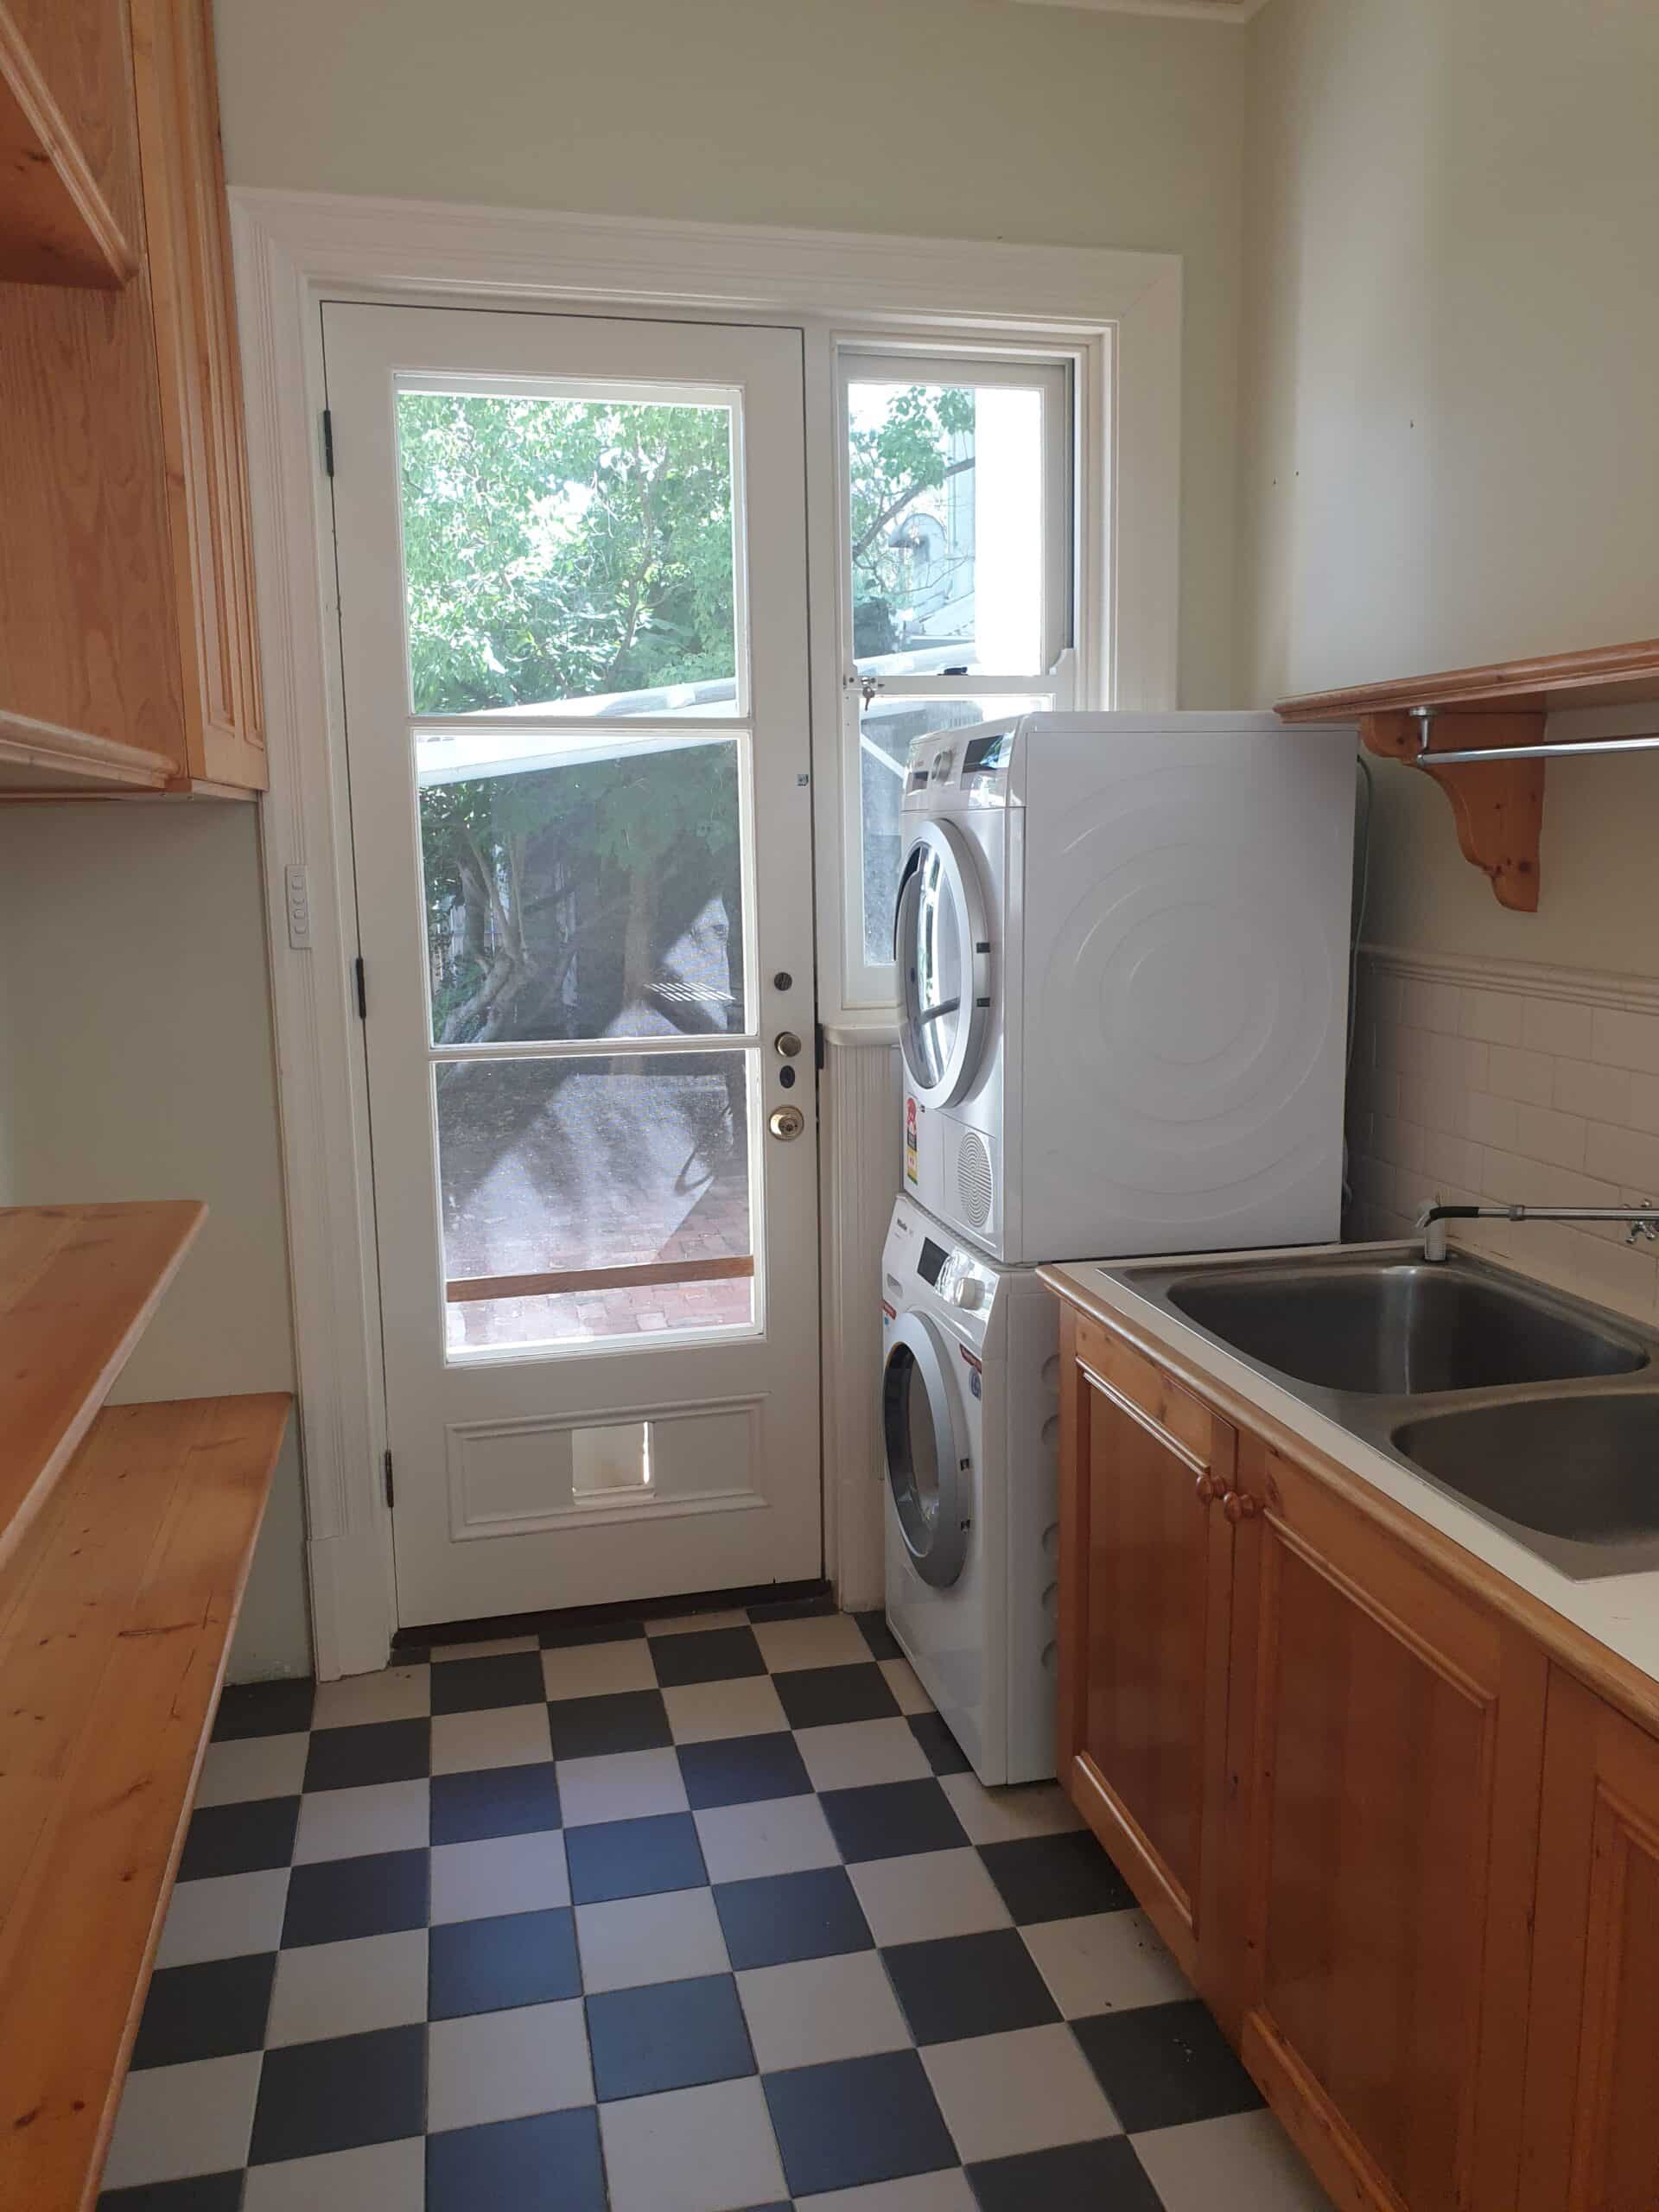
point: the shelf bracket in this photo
(1497, 805)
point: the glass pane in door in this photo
(568, 553)
(595, 1196)
(947, 524)
(578, 890)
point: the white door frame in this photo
(1121, 310)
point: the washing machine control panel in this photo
(960, 1281)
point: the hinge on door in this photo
(817, 1046)
(392, 1499)
(360, 976)
(327, 442)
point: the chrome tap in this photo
(1643, 1219)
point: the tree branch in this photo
(892, 513)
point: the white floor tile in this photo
(178, 2120)
(853, 1753)
(506, 1735)
(1024, 2091)
(379, 2177)
(781, 1835)
(930, 1893)
(639, 1939)
(507, 2065)
(941, 2192)
(489, 1648)
(1104, 1961)
(816, 2010)
(901, 1681)
(253, 1766)
(621, 1786)
(396, 1693)
(703, 2149)
(346, 1989)
(700, 1713)
(599, 1669)
(1005, 1816)
(822, 1640)
(1246, 2162)
(349, 1823)
(226, 1917)
(499, 1874)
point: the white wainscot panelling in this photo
(862, 1167)
(1498, 1083)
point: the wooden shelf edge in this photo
(56, 227)
(117, 1616)
(1506, 683)
(36, 751)
(39, 1437)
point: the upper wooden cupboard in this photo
(128, 653)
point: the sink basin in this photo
(1399, 1327)
(1581, 1471)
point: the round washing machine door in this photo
(941, 948)
(928, 1471)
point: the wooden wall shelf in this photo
(116, 1616)
(56, 225)
(77, 1286)
(1497, 805)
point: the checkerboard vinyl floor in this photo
(699, 1915)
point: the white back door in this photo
(572, 597)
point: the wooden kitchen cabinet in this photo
(1386, 1729)
(128, 652)
(1145, 1568)
(1592, 2104)
(1410, 1860)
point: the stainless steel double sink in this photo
(1538, 1410)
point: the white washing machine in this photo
(1122, 951)
(971, 1423)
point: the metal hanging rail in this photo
(1646, 740)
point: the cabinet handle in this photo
(1238, 1505)
(1209, 1489)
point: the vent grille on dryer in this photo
(975, 1185)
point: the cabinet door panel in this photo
(200, 390)
(1144, 1608)
(1592, 2068)
(1391, 1738)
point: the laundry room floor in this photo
(699, 1915)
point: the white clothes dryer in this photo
(971, 1423)
(1123, 955)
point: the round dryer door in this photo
(928, 1468)
(941, 948)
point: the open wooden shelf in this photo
(115, 1615)
(1497, 805)
(77, 1286)
(56, 226)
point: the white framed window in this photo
(957, 573)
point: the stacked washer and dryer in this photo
(1122, 949)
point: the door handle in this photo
(786, 1044)
(786, 1122)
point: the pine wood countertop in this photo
(116, 1608)
(77, 1286)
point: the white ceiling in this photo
(1214, 11)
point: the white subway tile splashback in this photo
(1493, 1091)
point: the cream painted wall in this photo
(1451, 443)
(966, 119)
(141, 1068)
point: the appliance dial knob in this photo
(967, 1292)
